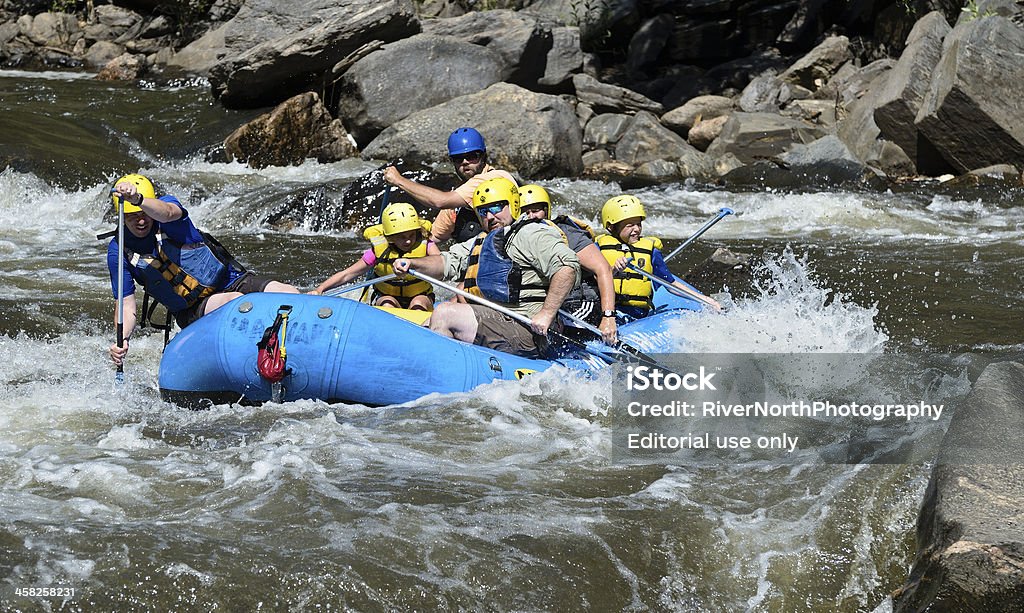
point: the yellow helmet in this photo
(141, 183)
(619, 208)
(498, 190)
(532, 195)
(400, 217)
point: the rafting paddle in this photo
(119, 377)
(335, 291)
(672, 289)
(522, 318)
(621, 345)
(722, 212)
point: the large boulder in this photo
(607, 98)
(971, 114)
(899, 101)
(549, 145)
(753, 136)
(646, 140)
(970, 547)
(297, 129)
(695, 110)
(517, 39)
(410, 75)
(274, 49)
(819, 65)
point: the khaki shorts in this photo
(500, 332)
(248, 283)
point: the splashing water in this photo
(794, 313)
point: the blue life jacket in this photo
(178, 276)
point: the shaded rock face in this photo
(276, 48)
(970, 543)
(550, 144)
(296, 129)
(900, 100)
(972, 112)
(408, 76)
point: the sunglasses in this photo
(472, 157)
(494, 209)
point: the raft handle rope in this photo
(272, 356)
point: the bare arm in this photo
(159, 210)
(431, 265)
(591, 259)
(561, 284)
(342, 276)
(423, 194)
(117, 353)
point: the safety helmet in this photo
(465, 140)
(495, 191)
(619, 208)
(141, 183)
(532, 195)
(400, 217)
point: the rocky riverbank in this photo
(777, 94)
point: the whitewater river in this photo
(506, 498)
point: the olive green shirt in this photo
(539, 249)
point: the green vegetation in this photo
(973, 12)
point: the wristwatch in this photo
(607, 313)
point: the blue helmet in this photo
(465, 140)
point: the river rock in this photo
(971, 114)
(646, 140)
(549, 145)
(564, 59)
(604, 131)
(695, 110)
(606, 98)
(53, 30)
(752, 136)
(102, 53)
(518, 41)
(125, 67)
(297, 129)
(274, 49)
(814, 69)
(594, 19)
(899, 101)
(851, 83)
(647, 43)
(410, 75)
(705, 132)
(970, 545)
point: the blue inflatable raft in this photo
(340, 350)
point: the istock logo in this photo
(640, 378)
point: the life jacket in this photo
(631, 288)
(492, 274)
(565, 220)
(467, 225)
(178, 276)
(584, 300)
(386, 254)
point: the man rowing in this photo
(187, 272)
(524, 265)
(456, 220)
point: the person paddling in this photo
(456, 220)
(401, 233)
(594, 299)
(625, 245)
(187, 272)
(523, 265)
